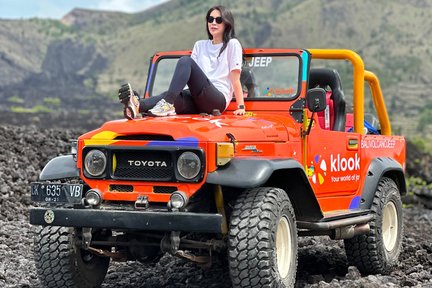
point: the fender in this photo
(287, 174)
(59, 168)
(379, 167)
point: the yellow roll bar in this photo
(378, 101)
(358, 76)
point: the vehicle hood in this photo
(202, 128)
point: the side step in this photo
(338, 225)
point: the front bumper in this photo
(129, 220)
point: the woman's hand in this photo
(239, 112)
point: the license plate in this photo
(56, 193)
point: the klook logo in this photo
(318, 169)
(339, 163)
(318, 175)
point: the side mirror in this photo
(316, 99)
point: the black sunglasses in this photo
(210, 19)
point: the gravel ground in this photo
(322, 262)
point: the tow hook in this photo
(86, 237)
(203, 259)
(170, 243)
(86, 241)
(142, 202)
(116, 256)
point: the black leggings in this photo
(201, 97)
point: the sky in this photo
(56, 9)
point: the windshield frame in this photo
(154, 63)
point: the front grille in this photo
(121, 188)
(145, 165)
(152, 163)
(164, 189)
(151, 174)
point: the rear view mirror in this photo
(316, 99)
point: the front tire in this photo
(378, 251)
(60, 263)
(263, 240)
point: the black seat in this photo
(323, 77)
(247, 79)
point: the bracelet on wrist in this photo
(241, 107)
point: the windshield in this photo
(262, 77)
(271, 76)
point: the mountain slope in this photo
(84, 58)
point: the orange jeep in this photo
(298, 164)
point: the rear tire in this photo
(378, 251)
(263, 240)
(60, 263)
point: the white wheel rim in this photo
(390, 226)
(283, 247)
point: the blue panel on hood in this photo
(186, 141)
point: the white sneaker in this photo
(163, 108)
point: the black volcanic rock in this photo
(322, 262)
(419, 163)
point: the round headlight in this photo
(188, 165)
(95, 163)
(93, 197)
(178, 200)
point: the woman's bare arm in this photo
(238, 92)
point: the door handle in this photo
(352, 144)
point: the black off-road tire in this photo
(60, 263)
(260, 219)
(378, 251)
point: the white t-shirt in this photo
(217, 69)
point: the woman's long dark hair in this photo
(228, 20)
